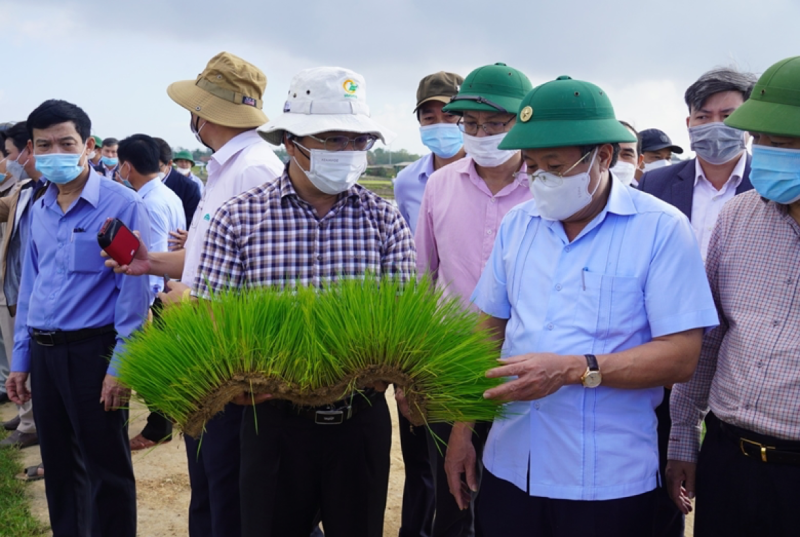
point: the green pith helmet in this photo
(98, 142)
(563, 113)
(491, 88)
(183, 155)
(774, 105)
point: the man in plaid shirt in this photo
(312, 225)
(748, 377)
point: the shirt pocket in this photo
(609, 307)
(85, 254)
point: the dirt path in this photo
(162, 483)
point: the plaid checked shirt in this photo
(749, 369)
(269, 236)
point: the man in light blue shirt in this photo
(440, 134)
(73, 314)
(599, 298)
(138, 164)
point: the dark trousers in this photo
(448, 519)
(418, 492)
(214, 509)
(739, 495)
(158, 427)
(89, 481)
(504, 510)
(294, 470)
(669, 519)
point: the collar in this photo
(234, 145)
(426, 168)
(619, 201)
(736, 175)
(90, 192)
(466, 166)
(149, 186)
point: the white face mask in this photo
(650, 166)
(16, 168)
(183, 171)
(624, 171)
(483, 150)
(92, 155)
(333, 172)
(558, 198)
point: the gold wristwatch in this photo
(592, 377)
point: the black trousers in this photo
(158, 427)
(503, 510)
(418, 492)
(448, 519)
(89, 481)
(669, 519)
(738, 495)
(214, 509)
(294, 470)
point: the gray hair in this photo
(717, 81)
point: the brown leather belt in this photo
(762, 447)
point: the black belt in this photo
(334, 414)
(49, 338)
(762, 447)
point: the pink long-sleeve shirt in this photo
(458, 221)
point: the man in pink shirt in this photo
(462, 207)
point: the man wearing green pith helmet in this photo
(747, 474)
(598, 295)
(462, 207)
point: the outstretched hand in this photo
(139, 266)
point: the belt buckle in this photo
(759, 445)
(333, 417)
(41, 337)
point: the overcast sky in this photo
(116, 59)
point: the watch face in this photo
(592, 379)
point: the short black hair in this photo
(635, 133)
(19, 135)
(108, 142)
(717, 81)
(141, 152)
(165, 151)
(55, 111)
(586, 149)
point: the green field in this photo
(381, 186)
(15, 514)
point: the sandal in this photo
(31, 473)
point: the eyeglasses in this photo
(362, 142)
(490, 127)
(550, 179)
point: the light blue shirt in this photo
(196, 181)
(409, 185)
(65, 283)
(165, 210)
(634, 273)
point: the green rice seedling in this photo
(313, 347)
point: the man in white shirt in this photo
(225, 105)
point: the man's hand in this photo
(402, 402)
(177, 240)
(17, 390)
(248, 398)
(680, 483)
(174, 293)
(139, 266)
(114, 395)
(460, 459)
(538, 374)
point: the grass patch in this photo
(382, 187)
(15, 514)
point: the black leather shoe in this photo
(11, 425)
(20, 440)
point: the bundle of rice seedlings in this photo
(313, 348)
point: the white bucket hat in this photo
(325, 99)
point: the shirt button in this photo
(550, 326)
(759, 364)
(789, 281)
(747, 406)
(536, 406)
(566, 248)
(558, 287)
(319, 258)
(494, 200)
(488, 231)
(776, 323)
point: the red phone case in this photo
(118, 241)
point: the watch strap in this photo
(591, 362)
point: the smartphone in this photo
(118, 241)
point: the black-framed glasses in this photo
(490, 127)
(480, 100)
(362, 142)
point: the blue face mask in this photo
(775, 173)
(59, 168)
(2, 177)
(109, 161)
(444, 139)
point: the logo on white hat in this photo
(350, 87)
